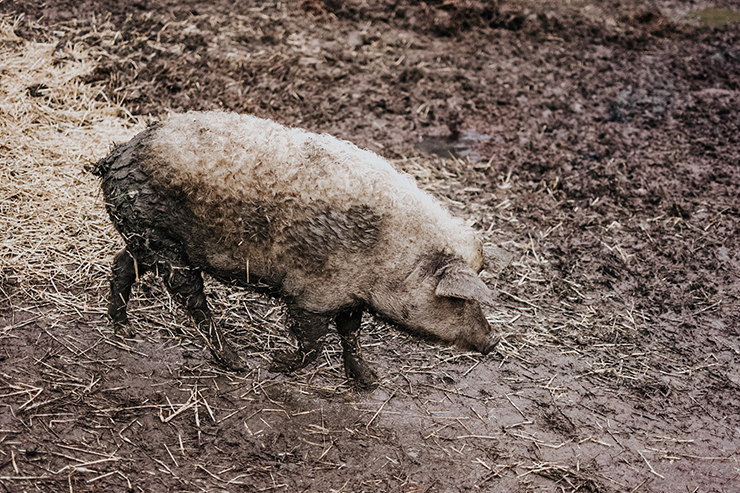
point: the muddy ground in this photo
(595, 144)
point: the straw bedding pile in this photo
(56, 239)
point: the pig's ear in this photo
(460, 281)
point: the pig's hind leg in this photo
(348, 326)
(186, 285)
(309, 330)
(125, 271)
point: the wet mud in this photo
(595, 144)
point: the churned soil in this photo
(595, 145)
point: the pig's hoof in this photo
(123, 329)
(362, 375)
(287, 361)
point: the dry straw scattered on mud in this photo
(55, 250)
(583, 395)
(55, 253)
(51, 125)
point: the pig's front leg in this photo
(309, 330)
(348, 326)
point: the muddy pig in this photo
(332, 229)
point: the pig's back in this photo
(235, 188)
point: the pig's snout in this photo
(490, 345)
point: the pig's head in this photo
(440, 300)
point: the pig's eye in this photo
(456, 303)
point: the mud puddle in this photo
(462, 144)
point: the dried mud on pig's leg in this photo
(348, 326)
(186, 285)
(125, 272)
(309, 330)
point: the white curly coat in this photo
(210, 156)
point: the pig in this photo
(331, 229)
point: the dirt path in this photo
(597, 145)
